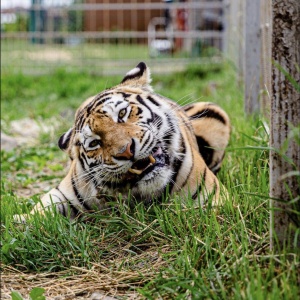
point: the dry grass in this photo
(81, 283)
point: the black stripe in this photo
(141, 66)
(206, 152)
(109, 102)
(64, 211)
(216, 171)
(100, 96)
(140, 99)
(195, 195)
(204, 175)
(215, 186)
(170, 123)
(199, 188)
(95, 182)
(70, 204)
(208, 113)
(99, 99)
(80, 121)
(146, 142)
(148, 147)
(188, 107)
(125, 95)
(140, 111)
(177, 166)
(168, 137)
(82, 158)
(158, 121)
(92, 105)
(63, 207)
(190, 171)
(97, 103)
(218, 162)
(79, 197)
(93, 165)
(153, 101)
(64, 140)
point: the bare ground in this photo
(80, 283)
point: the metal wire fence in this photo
(108, 37)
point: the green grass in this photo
(23, 54)
(172, 251)
(98, 57)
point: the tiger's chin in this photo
(152, 185)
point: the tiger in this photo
(130, 142)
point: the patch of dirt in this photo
(26, 132)
(36, 188)
(50, 55)
(8, 143)
(81, 283)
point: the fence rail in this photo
(193, 34)
(136, 6)
(97, 35)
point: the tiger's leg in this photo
(66, 200)
(211, 125)
(48, 202)
(56, 199)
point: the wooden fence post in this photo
(266, 57)
(285, 124)
(230, 31)
(252, 33)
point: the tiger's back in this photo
(212, 129)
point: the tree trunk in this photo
(285, 116)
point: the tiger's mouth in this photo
(141, 165)
(146, 165)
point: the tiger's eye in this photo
(122, 113)
(94, 143)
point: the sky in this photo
(26, 3)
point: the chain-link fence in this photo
(109, 37)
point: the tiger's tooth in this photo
(134, 171)
(152, 159)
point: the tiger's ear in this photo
(64, 140)
(140, 76)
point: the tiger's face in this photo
(124, 138)
(121, 140)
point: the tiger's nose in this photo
(126, 152)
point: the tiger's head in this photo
(126, 137)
